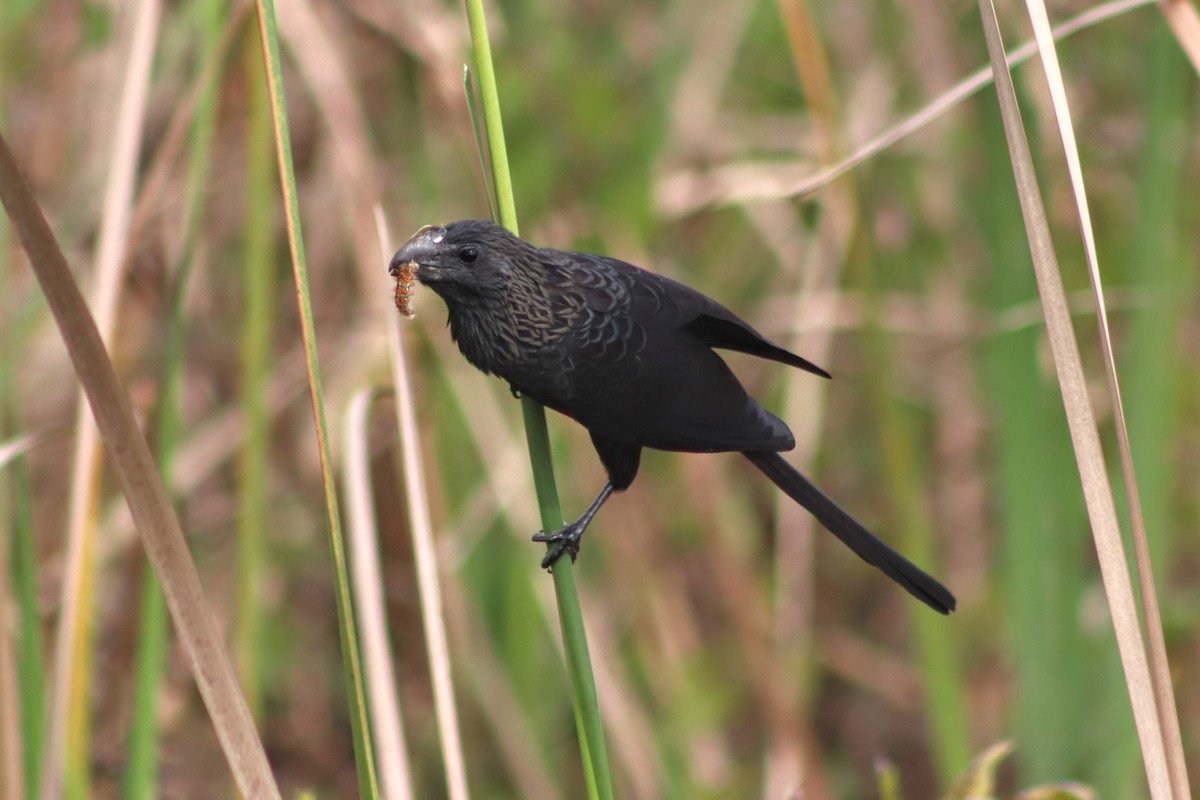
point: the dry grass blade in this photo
(66, 748)
(1082, 424)
(139, 480)
(496, 701)
(423, 552)
(1184, 20)
(378, 669)
(1160, 673)
(13, 448)
(688, 191)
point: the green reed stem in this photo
(351, 660)
(586, 704)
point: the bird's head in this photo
(464, 262)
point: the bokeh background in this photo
(740, 652)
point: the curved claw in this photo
(564, 540)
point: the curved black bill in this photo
(423, 244)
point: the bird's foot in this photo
(564, 540)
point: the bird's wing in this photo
(725, 330)
(709, 411)
(642, 365)
(670, 303)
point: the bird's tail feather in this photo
(869, 547)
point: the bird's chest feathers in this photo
(514, 340)
(553, 337)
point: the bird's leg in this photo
(566, 538)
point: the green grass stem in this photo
(150, 658)
(1040, 576)
(22, 563)
(1081, 417)
(1152, 386)
(586, 704)
(258, 262)
(938, 666)
(20, 560)
(351, 658)
(477, 129)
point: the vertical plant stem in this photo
(1081, 421)
(387, 726)
(588, 723)
(1154, 384)
(1168, 716)
(1040, 574)
(356, 694)
(941, 682)
(19, 558)
(67, 764)
(141, 771)
(493, 123)
(144, 493)
(20, 565)
(258, 259)
(30, 675)
(429, 584)
(12, 774)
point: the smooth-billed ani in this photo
(629, 355)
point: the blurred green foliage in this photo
(604, 105)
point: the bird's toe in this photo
(563, 540)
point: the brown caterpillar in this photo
(404, 287)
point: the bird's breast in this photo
(523, 349)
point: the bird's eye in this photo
(468, 254)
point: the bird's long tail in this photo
(869, 547)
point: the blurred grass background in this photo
(729, 660)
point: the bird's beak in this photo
(420, 249)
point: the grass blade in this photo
(1184, 20)
(469, 91)
(1040, 575)
(587, 707)
(423, 551)
(142, 767)
(27, 639)
(144, 492)
(386, 724)
(1160, 674)
(1081, 421)
(12, 771)
(687, 192)
(1155, 386)
(141, 770)
(255, 364)
(360, 727)
(67, 756)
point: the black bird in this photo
(629, 355)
